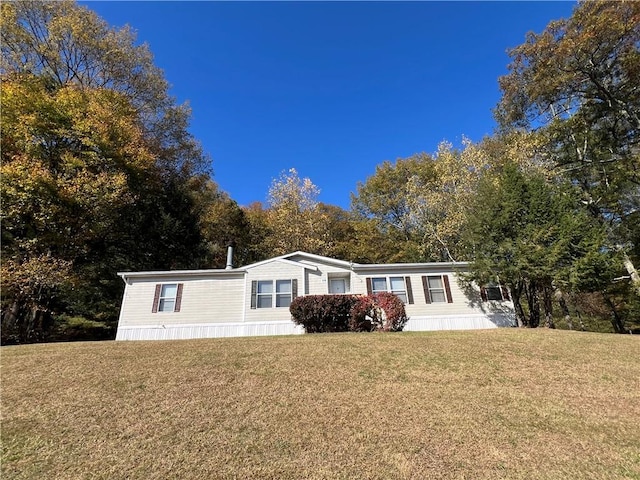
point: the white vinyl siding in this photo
(203, 300)
(224, 303)
(272, 272)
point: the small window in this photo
(436, 290)
(283, 293)
(167, 297)
(378, 285)
(398, 288)
(494, 292)
(265, 294)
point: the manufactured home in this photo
(254, 299)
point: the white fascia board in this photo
(312, 257)
(287, 257)
(319, 258)
(412, 267)
(298, 264)
(183, 273)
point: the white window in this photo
(379, 285)
(395, 285)
(167, 298)
(283, 293)
(398, 287)
(265, 294)
(437, 292)
(269, 293)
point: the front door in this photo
(337, 285)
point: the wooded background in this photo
(100, 174)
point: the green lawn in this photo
(507, 403)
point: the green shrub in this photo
(70, 329)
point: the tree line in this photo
(100, 175)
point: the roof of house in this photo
(300, 259)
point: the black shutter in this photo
(156, 299)
(483, 294)
(178, 298)
(425, 287)
(407, 281)
(447, 288)
(254, 293)
(369, 288)
(294, 288)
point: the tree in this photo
(260, 232)
(383, 211)
(437, 208)
(535, 238)
(67, 160)
(576, 85)
(421, 202)
(97, 166)
(295, 218)
(222, 223)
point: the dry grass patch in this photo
(482, 404)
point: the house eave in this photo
(410, 267)
(183, 273)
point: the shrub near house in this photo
(356, 313)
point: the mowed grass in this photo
(507, 403)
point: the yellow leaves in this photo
(99, 127)
(438, 208)
(572, 61)
(27, 277)
(25, 189)
(294, 216)
(290, 191)
(101, 191)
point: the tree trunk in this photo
(548, 307)
(564, 307)
(582, 326)
(631, 270)
(516, 292)
(616, 320)
(533, 302)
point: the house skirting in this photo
(286, 327)
(459, 322)
(207, 330)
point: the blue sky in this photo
(330, 88)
